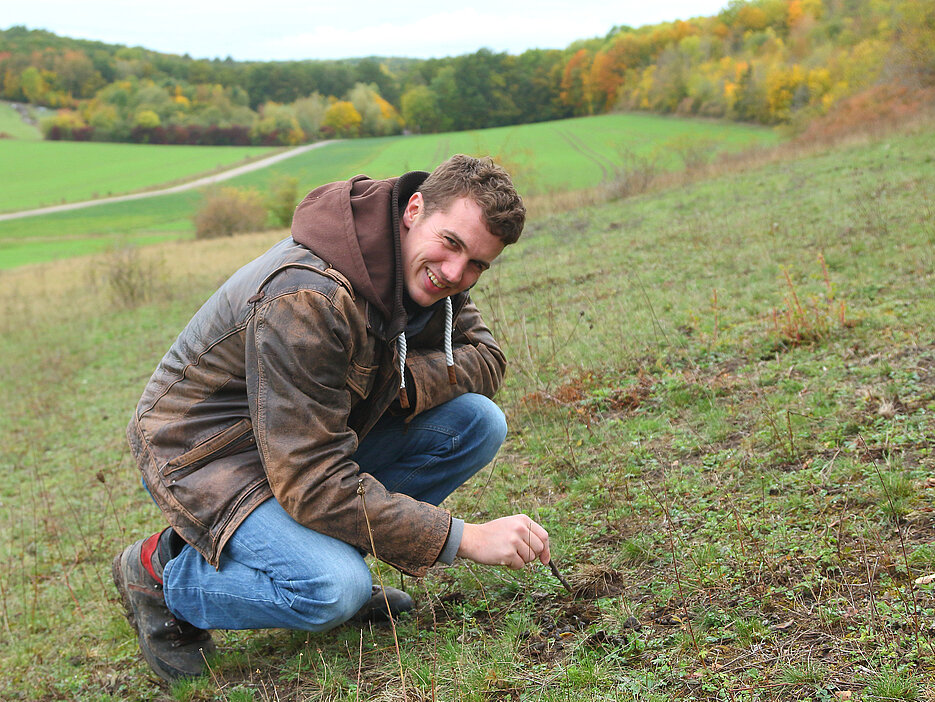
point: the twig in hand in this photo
(558, 575)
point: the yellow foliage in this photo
(819, 82)
(146, 119)
(781, 85)
(751, 18)
(343, 118)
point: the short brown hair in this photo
(486, 184)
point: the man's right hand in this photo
(510, 541)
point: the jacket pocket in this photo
(360, 378)
(234, 439)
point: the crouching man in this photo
(320, 405)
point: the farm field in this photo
(40, 173)
(545, 157)
(720, 400)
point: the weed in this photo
(810, 673)
(634, 175)
(890, 685)
(128, 277)
(695, 153)
(637, 549)
(803, 323)
(228, 211)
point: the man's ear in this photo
(413, 207)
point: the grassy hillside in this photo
(545, 157)
(721, 403)
(36, 174)
(548, 156)
(13, 126)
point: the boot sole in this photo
(116, 571)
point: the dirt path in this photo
(207, 180)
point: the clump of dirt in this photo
(592, 581)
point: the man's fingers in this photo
(542, 551)
(530, 548)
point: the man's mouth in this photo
(435, 281)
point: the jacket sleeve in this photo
(300, 351)
(479, 364)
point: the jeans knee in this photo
(334, 598)
(490, 426)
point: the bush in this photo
(283, 197)
(126, 278)
(227, 211)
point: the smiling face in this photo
(444, 252)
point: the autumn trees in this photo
(767, 61)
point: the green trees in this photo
(768, 61)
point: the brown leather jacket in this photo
(269, 388)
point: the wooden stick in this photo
(558, 575)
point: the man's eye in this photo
(451, 242)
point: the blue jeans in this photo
(274, 572)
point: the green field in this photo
(562, 155)
(13, 125)
(40, 173)
(721, 400)
(545, 157)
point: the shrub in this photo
(283, 197)
(126, 278)
(227, 211)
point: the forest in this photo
(776, 62)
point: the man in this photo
(322, 404)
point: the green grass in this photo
(544, 157)
(40, 173)
(549, 156)
(733, 502)
(12, 124)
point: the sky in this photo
(279, 30)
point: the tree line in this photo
(764, 61)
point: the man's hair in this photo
(486, 184)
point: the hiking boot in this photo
(172, 647)
(374, 610)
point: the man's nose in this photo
(453, 270)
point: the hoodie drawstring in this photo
(449, 356)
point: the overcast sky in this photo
(291, 29)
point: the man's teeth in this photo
(435, 281)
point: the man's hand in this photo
(510, 541)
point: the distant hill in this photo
(764, 61)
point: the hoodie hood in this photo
(354, 227)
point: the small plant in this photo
(695, 153)
(637, 549)
(897, 491)
(228, 211)
(799, 323)
(891, 685)
(127, 278)
(808, 673)
(635, 174)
